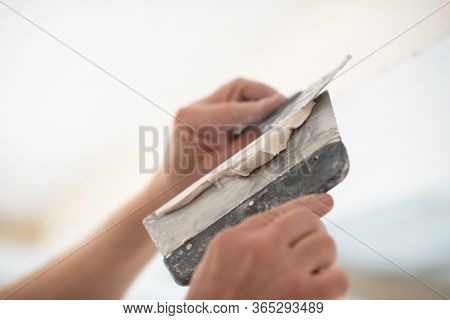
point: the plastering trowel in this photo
(314, 160)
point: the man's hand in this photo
(201, 138)
(284, 253)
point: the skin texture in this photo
(272, 265)
(284, 253)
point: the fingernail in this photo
(269, 104)
(325, 199)
(278, 96)
(275, 96)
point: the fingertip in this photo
(271, 103)
(342, 282)
(333, 283)
(255, 111)
(254, 90)
(318, 203)
(276, 98)
(326, 199)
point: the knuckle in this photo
(326, 241)
(298, 288)
(239, 81)
(276, 212)
(270, 216)
(330, 242)
(330, 246)
(342, 282)
(235, 109)
(311, 219)
(224, 237)
(183, 114)
(248, 222)
(256, 222)
(258, 245)
(259, 248)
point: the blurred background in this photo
(69, 133)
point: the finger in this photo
(240, 90)
(261, 220)
(330, 284)
(236, 113)
(315, 253)
(252, 90)
(305, 203)
(295, 225)
(318, 203)
(302, 218)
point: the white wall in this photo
(68, 132)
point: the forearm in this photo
(104, 266)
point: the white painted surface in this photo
(69, 134)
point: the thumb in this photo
(318, 204)
(236, 113)
(252, 112)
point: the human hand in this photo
(201, 137)
(284, 253)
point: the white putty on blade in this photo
(171, 231)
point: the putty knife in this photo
(315, 161)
